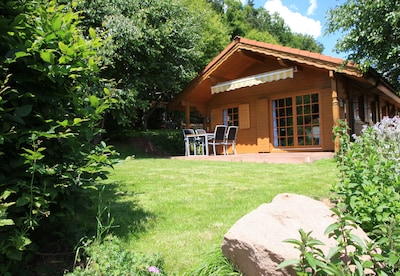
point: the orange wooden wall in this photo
(259, 137)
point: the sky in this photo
(307, 17)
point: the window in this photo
(360, 111)
(296, 121)
(283, 122)
(231, 116)
(307, 117)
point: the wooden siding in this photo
(259, 136)
(216, 117)
(263, 123)
(315, 73)
(244, 118)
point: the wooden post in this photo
(335, 107)
(187, 115)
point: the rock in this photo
(254, 244)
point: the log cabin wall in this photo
(341, 93)
(259, 135)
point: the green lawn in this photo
(182, 208)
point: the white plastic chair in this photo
(315, 134)
(189, 141)
(200, 131)
(200, 141)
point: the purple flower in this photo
(154, 269)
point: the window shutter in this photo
(244, 116)
(263, 117)
(216, 117)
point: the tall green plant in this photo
(348, 257)
(369, 167)
(157, 47)
(366, 194)
(109, 257)
(51, 106)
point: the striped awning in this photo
(253, 80)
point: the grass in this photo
(182, 208)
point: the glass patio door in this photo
(296, 121)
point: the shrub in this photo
(366, 194)
(369, 179)
(164, 142)
(110, 258)
(51, 107)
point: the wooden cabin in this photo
(284, 99)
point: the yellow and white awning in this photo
(253, 80)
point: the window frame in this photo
(230, 116)
(295, 123)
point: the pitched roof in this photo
(282, 52)
(288, 53)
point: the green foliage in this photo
(214, 33)
(109, 257)
(371, 37)
(104, 254)
(305, 42)
(50, 115)
(163, 142)
(235, 18)
(161, 45)
(370, 174)
(261, 36)
(366, 194)
(369, 186)
(260, 25)
(348, 257)
(158, 45)
(214, 264)
(308, 253)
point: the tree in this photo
(217, 5)
(305, 42)
(214, 34)
(273, 29)
(262, 36)
(259, 24)
(51, 104)
(156, 48)
(371, 34)
(235, 18)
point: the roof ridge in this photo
(290, 50)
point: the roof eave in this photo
(203, 74)
(301, 56)
(296, 55)
(374, 78)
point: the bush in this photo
(366, 194)
(163, 142)
(110, 258)
(51, 106)
(370, 174)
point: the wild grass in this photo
(181, 209)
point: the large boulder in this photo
(255, 244)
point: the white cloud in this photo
(297, 22)
(294, 7)
(312, 7)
